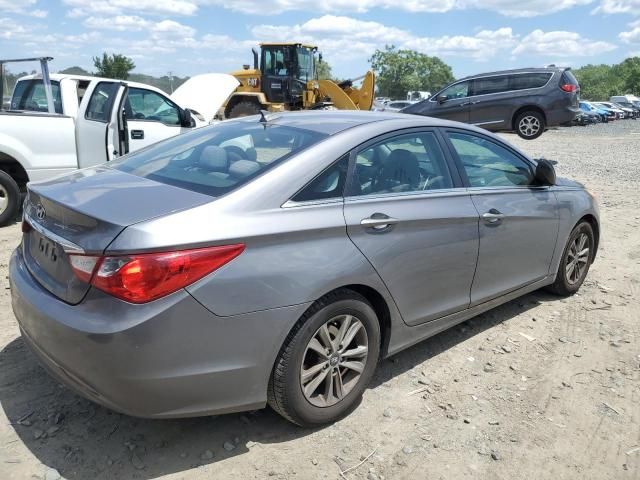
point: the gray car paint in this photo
(210, 348)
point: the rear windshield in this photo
(218, 159)
(30, 95)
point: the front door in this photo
(452, 103)
(151, 117)
(518, 221)
(276, 63)
(406, 213)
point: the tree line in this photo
(599, 82)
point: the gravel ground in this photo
(541, 387)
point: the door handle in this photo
(378, 221)
(493, 217)
(137, 134)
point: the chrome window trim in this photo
(444, 192)
(309, 203)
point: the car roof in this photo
(515, 70)
(331, 122)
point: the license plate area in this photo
(45, 252)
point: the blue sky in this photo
(189, 37)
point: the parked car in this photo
(394, 105)
(622, 114)
(614, 113)
(630, 101)
(417, 95)
(93, 120)
(630, 110)
(277, 259)
(586, 118)
(526, 101)
(589, 108)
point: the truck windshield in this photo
(305, 64)
(220, 158)
(29, 95)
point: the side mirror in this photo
(545, 173)
(187, 119)
(442, 98)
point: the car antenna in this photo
(266, 117)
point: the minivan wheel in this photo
(530, 124)
(9, 199)
(575, 262)
(326, 361)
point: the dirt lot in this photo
(541, 387)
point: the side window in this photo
(29, 95)
(102, 98)
(529, 80)
(329, 184)
(488, 164)
(407, 163)
(147, 105)
(485, 86)
(459, 90)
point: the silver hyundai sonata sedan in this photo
(276, 259)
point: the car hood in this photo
(205, 93)
(566, 182)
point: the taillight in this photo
(141, 278)
(569, 87)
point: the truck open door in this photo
(101, 129)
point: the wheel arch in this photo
(595, 226)
(525, 108)
(12, 167)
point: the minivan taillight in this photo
(141, 278)
(569, 88)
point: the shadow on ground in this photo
(83, 440)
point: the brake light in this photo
(141, 278)
(569, 87)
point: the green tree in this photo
(324, 70)
(597, 82)
(629, 74)
(401, 71)
(113, 66)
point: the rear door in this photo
(151, 117)
(407, 213)
(518, 221)
(98, 131)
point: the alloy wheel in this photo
(577, 258)
(4, 199)
(334, 360)
(529, 125)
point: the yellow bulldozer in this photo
(284, 77)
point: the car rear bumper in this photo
(168, 358)
(562, 116)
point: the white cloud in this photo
(633, 35)
(618, 6)
(120, 7)
(345, 37)
(23, 7)
(560, 44)
(120, 22)
(526, 8)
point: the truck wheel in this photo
(529, 124)
(9, 199)
(244, 109)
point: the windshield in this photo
(305, 64)
(30, 95)
(218, 159)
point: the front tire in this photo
(244, 109)
(9, 199)
(575, 262)
(326, 361)
(530, 124)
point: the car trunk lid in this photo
(83, 213)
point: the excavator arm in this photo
(346, 97)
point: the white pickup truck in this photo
(84, 121)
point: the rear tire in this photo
(313, 384)
(9, 199)
(530, 124)
(575, 262)
(244, 109)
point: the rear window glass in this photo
(485, 86)
(218, 159)
(529, 80)
(568, 78)
(30, 95)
